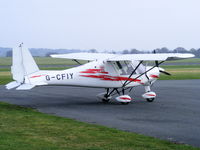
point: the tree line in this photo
(196, 52)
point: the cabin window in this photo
(124, 67)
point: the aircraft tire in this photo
(125, 103)
(150, 99)
(105, 100)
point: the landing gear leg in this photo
(147, 89)
(106, 97)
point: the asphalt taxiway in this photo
(174, 115)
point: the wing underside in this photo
(125, 57)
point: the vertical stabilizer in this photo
(23, 65)
(28, 62)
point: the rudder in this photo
(23, 64)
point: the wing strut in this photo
(77, 61)
(131, 74)
(123, 87)
(145, 72)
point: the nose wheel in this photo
(149, 95)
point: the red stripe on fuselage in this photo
(154, 76)
(37, 76)
(94, 71)
(111, 78)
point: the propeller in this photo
(165, 72)
(156, 62)
(161, 70)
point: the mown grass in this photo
(181, 72)
(181, 76)
(5, 79)
(26, 129)
(6, 61)
(191, 60)
(180, 66)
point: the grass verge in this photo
(6, 61)
(181, 72)
(5, 79)
(26, 129)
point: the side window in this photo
(129, 67)
(124, 67)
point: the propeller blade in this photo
(157, 65)
(165, 72)
(156, 62)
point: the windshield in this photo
(124, 67)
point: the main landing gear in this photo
(126, 99)
(123, 99)
(106, 98)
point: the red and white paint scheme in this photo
(117, 73)
(124, 99)
(149, 96)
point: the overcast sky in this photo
(100, 24)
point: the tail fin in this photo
(23, 64)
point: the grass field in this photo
(181, 72)
(26, 129)
(191, 60)
(6, 61)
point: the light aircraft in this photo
(117, 73)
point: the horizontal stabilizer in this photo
(12, 85)
(25, 87)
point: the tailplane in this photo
(23, 65)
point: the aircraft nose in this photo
(154, 74)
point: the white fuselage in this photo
(103, 74)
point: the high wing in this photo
(124, 57)
(152, 57)
(85, 56)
